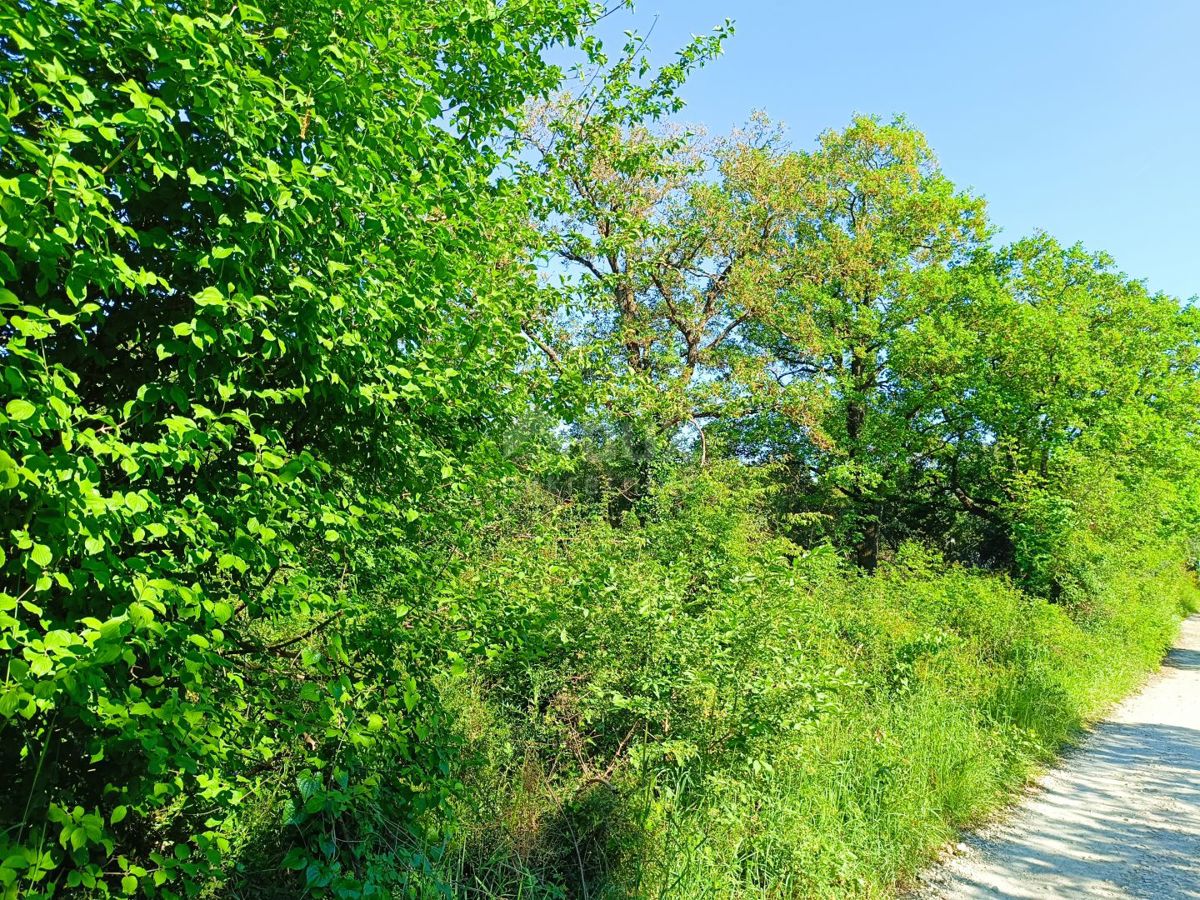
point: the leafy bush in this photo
(685, 705)
(257, 308)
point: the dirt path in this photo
(1119, 818)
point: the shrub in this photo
(685, 705)
(258, 314)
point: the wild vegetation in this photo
(427, 471)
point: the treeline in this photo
(842, 313)
(419, 479)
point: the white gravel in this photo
(1118, 818)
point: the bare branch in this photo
(582, 260)
(550, 353)
(726, 332)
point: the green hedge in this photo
(257, 310)
(683, 705)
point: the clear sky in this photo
(1080, 117)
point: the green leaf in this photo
(60, 408)
(210, 296)
(8, 471)
(41, 555)
(251, 13)
(19, 409)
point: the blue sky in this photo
(1080, 118)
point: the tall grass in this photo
(683, 705)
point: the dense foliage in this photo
(257, 286)
(687, 705)
(773, 529)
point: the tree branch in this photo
(582, 260)
(550, 352)
(726, 331)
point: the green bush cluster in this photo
(683, 704)
(257, 283)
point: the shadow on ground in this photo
(1182, 659)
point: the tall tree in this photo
(1084, 396)
(876, 240)
(665, 244)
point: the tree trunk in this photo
(866, 554)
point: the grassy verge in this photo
(686, 706)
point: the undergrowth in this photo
(683, 705)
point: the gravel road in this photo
(1118, 818)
